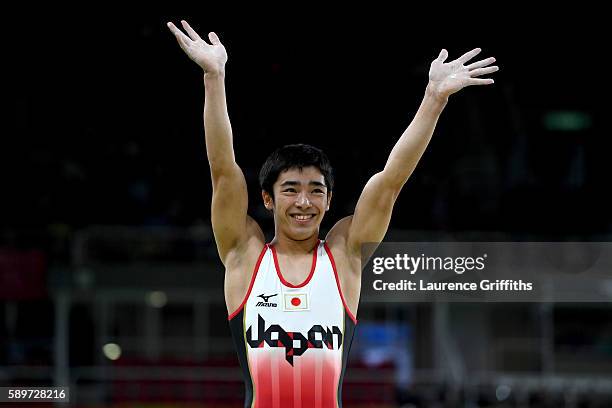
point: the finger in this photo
(182, 39)
(443, 55)
(469, 55)
(481, 63)
(214, 38)
(484, 71)
(194, 36)
(480, 81)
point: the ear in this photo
(268, 201)
(329, 197)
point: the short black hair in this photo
(294, 156)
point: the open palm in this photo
(210, 57)
(450, 77)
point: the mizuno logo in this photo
(265, 298)
(266, 302)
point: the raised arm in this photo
(230, 222)
(375, 205)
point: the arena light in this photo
(502, 392)
(157, 299)
(112, 351)
(567, 121)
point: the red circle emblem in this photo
(296, 301)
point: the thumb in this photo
(214, 39)
(443, 55)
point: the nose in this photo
(302, 200)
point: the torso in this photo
(292, 329)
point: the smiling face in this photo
(300, 201)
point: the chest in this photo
(295, 270)
(313, 300)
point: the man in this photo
(292, 302)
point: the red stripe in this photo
(261, 255)
(264, 395)
(286, 391)
(312, 268)
(331, 258)
(277, 392)
(297, 383)
(318, 391)
(312, 381)
(330, 382)
(308, 381)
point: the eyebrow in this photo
(297, 183)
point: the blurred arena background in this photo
(109, 278)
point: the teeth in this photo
(302, 217)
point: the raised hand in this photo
(211, 58)
(447, 78)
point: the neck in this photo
(287, 245)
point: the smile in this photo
(302, 217)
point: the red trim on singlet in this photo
(331, 258)
(261, 255)
(312, 269)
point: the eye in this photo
(289, 190)
(318, 191)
